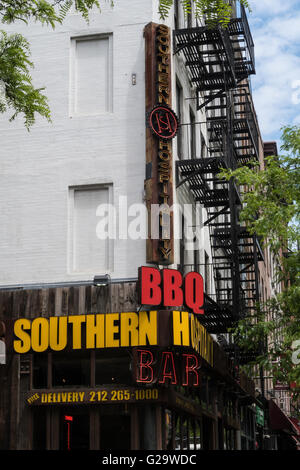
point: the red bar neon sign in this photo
(167, 368)
(145, 369)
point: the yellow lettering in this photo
(211, 353)
(193, 334)
(163, 39)
(163, 29)
(110, 330)
(95, 331)
(148, 328)
(129, 329)
(164, 167)
(163, 177)
(163, 155)
(181, 331)
(22, 345)
(58, 333)
(164, 58)
(164, 49)
(201, 341)
(204, 344)
(40, 334)
(44, 398)
(163, 89)
(163, 99)
(163, 68)
(163, 78)
(77, 321)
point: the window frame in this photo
(71, 239)
(72, 74)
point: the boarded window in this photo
(90, 230)
(91, 75)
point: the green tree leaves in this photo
(18, 94)
(38, 10)
(216, 12)
(271, 210)
(164, 8)
(271, 197)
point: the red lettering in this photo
(163, 125)
(162, 120)
(172, 288)
(193, 290)
(191, 366)
(150, 291)
(166, 288)
(144, 369)
(168, 368)
(160, 367)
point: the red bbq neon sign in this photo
(168, 288)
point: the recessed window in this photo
(91, 75)
(90, 249)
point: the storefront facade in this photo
(140, 120)
(76, 393)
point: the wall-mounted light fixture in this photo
(102, 280)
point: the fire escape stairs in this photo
(201, 175)
(217, 59)
(219, 62)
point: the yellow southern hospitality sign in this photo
(188, 331)
(110, 330)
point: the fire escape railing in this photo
(201, 176)
(217, 58)
(240, 34)
(219, 62)
(209, 57)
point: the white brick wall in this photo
(37, 168)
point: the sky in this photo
(275, 27)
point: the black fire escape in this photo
(219, 62)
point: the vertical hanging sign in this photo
(161, 128)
